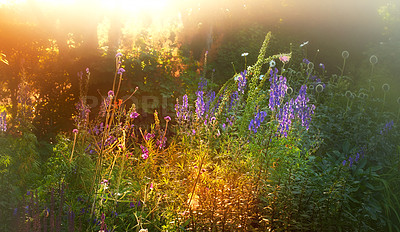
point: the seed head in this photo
(319, 88)
(289, 90)
(348, 94)
(345, 54)
(373, 59)
(386, 87)
(372, 89)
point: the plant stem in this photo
(344, 64)
(73, 148)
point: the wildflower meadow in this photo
(279, 144)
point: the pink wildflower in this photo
(284, 59)
(133, 115)
(167, 118)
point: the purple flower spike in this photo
(200, 105)
(182, 111)
(256, 122)
(277, 90)
(242, 82)
(303, 110)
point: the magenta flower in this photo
(149, 136)
(134, 115)
(120, 71)
(75, 131)
(111, 93)
(104, 181)
(145, 152)
(151, 186)
(167, 118)
(118, 55)
(87, 70)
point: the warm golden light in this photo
(133, 6)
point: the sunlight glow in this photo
(120, 5)
(134, 5)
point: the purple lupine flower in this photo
(202, 84)
(234, 100)
(256, 122)
(182, 111)
(277, 90)
(306, 61)
(185, 102)
(210, 96)
(303, 111)
(351, 161)
(387, 128)
(285, 116)
(145, 152)
(200, 105)
(344, 162)
(82, 118)
(131, 204)
(242, 81)
(355, 158)
(120, 71)
(230, 120)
